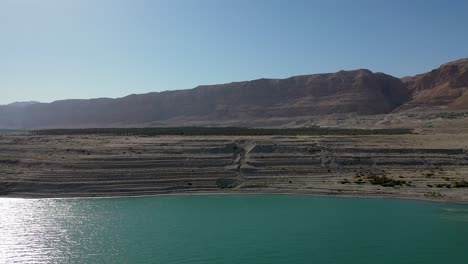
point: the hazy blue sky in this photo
(56, 49)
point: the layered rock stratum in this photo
(416, 166)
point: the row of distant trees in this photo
(221, 131)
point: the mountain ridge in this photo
(359, 92)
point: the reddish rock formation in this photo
(442, 88)
(359, 92)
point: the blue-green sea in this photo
(232, 229)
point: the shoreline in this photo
(234, 193)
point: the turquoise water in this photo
(232, 229)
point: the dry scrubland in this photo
(432, 164)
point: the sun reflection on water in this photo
(49, 231)
(31, 232)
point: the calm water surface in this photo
(231, 229)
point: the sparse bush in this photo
(359, 181)
(434, 195)
(385, 181)
(345, 181)
(461, 184)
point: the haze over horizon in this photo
(55, 50)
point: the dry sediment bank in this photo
(430, 166)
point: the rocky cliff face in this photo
(360, 91)
(357, 93)
(442, 88)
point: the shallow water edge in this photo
(234, 193)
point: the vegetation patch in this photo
(434, 195)
(221, 131)
(359, 181)
(461, 184)
(345, 181)
(444, 185)
(385, 181)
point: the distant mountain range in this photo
(263, 102)
(21, 104)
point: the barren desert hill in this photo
(357, 92)
(444, 88)
(360, 91)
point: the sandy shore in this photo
(428, 166)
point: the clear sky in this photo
(58, 49)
